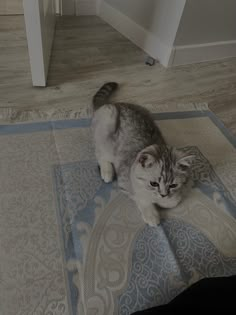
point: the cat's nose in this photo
(163, 195)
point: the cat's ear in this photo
(148, 156)
(184, 160)
(146, 160)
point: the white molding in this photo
(188, 54)
(144, 39)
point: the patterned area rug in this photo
(71, 244)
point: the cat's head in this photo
(162, 171)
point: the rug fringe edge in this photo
(12, 115)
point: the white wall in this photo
(205, 21)
(207, 31)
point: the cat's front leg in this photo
(107, 171)
(149, 213)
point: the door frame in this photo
(39, 38)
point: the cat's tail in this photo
(103, 94)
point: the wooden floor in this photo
(11, 7)
(87, 52)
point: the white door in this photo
(40, 17)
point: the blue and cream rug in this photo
(71, 244)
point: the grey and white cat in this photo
(130, 146)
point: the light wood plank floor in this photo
(11, 7)
(87, 52)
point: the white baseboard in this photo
(182, 55)
(144, 39)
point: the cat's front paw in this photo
(107, 172)
(151, 216)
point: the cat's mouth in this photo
(163, 196)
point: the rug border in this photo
(19, 128)
(195, 114)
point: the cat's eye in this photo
(154, 184)
(173, 186)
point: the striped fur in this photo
(103, 94)
(130, 146)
